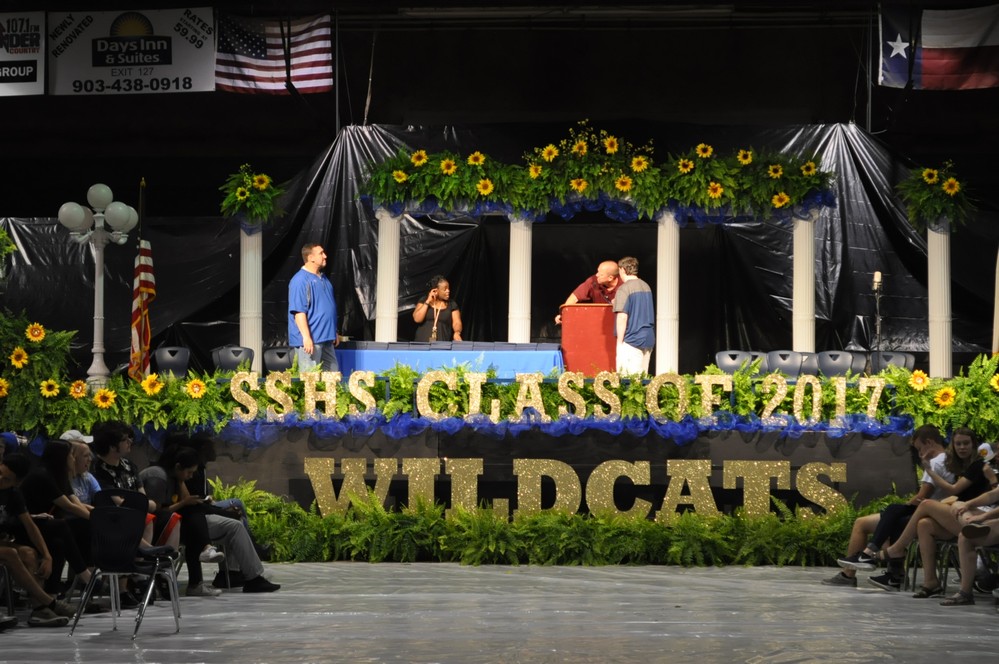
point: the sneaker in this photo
(43, 616)
(6, 622)
(886, 581)
(841, 580)
(859, 561)
(211, 555)
(259, 585)
(61, 608)
(201, 590)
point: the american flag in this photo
(143, 292)
(252, 55)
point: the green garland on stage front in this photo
(37, 396)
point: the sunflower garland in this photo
(594, 164)
(252, 195)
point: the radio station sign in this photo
(131, 52)
(22, 54)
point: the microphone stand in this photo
(877, 325)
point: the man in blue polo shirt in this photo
(312, 313)
(634, 318)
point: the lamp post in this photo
(92, 225)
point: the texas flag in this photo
(954, 49)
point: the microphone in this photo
(876, 285)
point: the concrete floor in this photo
(358, 612)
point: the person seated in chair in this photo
(890, 522)
(18, 534)
(113, 470)
(933, 519)
(165, 482)
(981, 529)
(63, 521)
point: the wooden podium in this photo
(588, 343)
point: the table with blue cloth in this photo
(509, 359)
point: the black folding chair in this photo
(116, 534)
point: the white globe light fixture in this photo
(91, 225)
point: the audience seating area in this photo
(826, 363)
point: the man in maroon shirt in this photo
(599, 288)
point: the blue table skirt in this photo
(507, 359)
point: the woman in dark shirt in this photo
(49, 498)
(438, 316)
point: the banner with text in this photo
(22, 54)
(131, 52)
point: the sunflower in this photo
(808, 169)
(994, 383)
(685, 166)
(639, 164)
(152, 384)
(476, 159)
(704, 150)
(4, 387)
(951, 186)
(775, 171)
(195, 388)
(715, 190)
(35, 333)
(579, 184)
(419, 158)
(261, 181)
(919, 381)
(534, 170)
(945, 397)
(549, 153)
(400, 176)
(242, 193)
(448, 167)
(49, 388)
(19, 358)
(611, 144)
(780, 199)
(931, 176)
(485, 186)
(579, 149)
(745, 157)
(623, 183)
(104, 398)
(78, 389)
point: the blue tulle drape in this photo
(260, 433)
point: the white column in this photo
(519, 329)
(803, 295)
(938, 273)
(387, 285)
(667, 294)
(251, 288)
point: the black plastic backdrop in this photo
(735, 278)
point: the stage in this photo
(359, 612)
